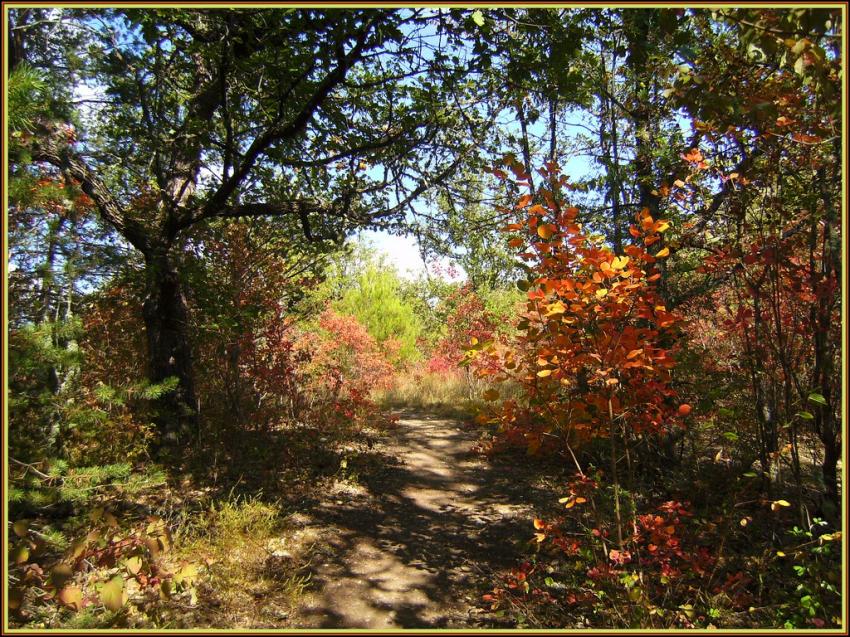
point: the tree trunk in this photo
(169, 351)
(829, 468)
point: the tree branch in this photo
(276, 132)
(52, 147)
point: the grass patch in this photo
(253, 581)
(453, 395)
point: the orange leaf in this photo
(515, 242)
(633, 353)
(523, 201)
(538, 523)
(546, 231)
(71, 596)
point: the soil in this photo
(418, 530)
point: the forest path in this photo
(415, 543)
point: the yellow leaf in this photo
(775, 506)
(134, 565)
(539, 537)
(20, 528)
(187, 575)
(619, 263)
(555, 308)
(21, 554)
(612, 381)
(662, 226)
(71, 596)
(601, 293)
(16, 598)
(112, 594)
(662, 253)
(780, 553)
(61, 574)
(570, 504)
(567, 499)
(543, 373)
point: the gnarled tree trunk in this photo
(169, 349)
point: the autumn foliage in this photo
(594, 348)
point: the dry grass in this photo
(253, 580)
(457, 394)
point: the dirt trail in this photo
(417, 542)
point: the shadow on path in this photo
(424, 539)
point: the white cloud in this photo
(403, 253)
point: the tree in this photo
(331, 119)
(767, 240)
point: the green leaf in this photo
(478, 18)
(805, 415)
(731, 436)
(799, 66)
(817, 398)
